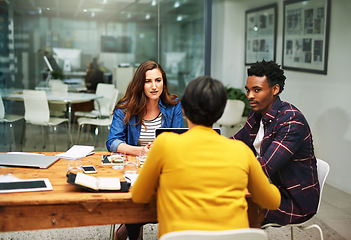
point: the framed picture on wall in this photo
(260, 34)
(306, 35)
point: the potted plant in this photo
(57, 75)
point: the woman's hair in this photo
(204, 100)
(134, 100)
(273, 72)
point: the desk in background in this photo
(69, 99)
(73, 85)
(69, 206)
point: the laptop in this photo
(27, 160)
(158, 131)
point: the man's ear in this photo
(276, 89)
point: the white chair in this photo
(323, 170)
(102, 106)
(98, 122)
(8, 119)
(232, 113)
(55, 81)
(58, 88)
(122, 77)
(235, 234)
(37, 112)
(232, 117)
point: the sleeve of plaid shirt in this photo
(287, 134)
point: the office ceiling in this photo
(101, 10)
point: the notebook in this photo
(158, 131)
(27, 160)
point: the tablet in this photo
(28, 185)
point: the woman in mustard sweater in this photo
(200, 178)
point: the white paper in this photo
(76, 152)
(131, 178)
(8, 178)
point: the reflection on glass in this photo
(120, 34)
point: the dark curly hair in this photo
(204, 100)
(273, 72)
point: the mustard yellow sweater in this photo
(200, 180)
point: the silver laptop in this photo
(27, 160)
(158, 131)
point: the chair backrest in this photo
(232, 113)
(2, 108)
(36, 107)
(322, 170)
(55, 81)
(104, 104)
(114, 100)
(58, 86)
(235, 234)
(122, 77)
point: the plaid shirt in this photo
(287, 158)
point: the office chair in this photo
(8, 119)
(235, 234)
(99, 122)
(37, 113)
(122, 77)
(102, 106)
(61, 89)
(232, 115)
(323, 170)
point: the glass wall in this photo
(119, 33)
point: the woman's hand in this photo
(146, 148)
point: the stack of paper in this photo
(77, 151)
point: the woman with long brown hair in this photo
(146, 105)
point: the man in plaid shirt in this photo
(279, 135)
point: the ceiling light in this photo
(48, 9)
(147, 16)
(93, 14)
(176, 4)
(85, 10)
(179, 18)
(153, 3)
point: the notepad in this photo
(71, 178)
(98, 183)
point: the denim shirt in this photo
(129, 133)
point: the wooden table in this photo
(70, 206)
